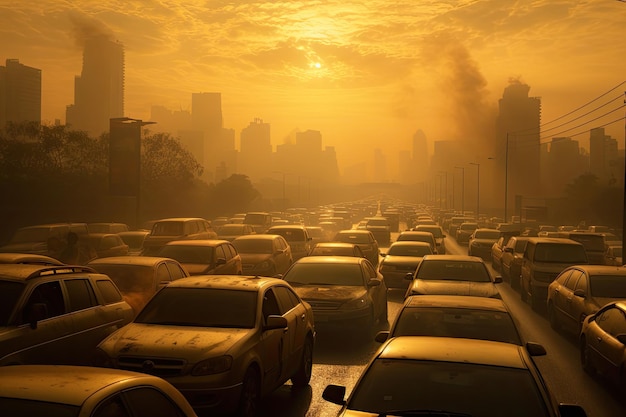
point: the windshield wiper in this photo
(433, 413)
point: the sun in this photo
(317, 65)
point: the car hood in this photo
(401, 260)
(329, 292)
(193, 343)
(449, 287)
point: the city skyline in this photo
(366, 75)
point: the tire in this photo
(250, 394)
(302, 377)
(584, 357)
(552, 318)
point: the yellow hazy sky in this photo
(367, 74)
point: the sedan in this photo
(402, 257)
(204, 257)
(512, 256)
(224, 341)
(83, 391)
(481, 242)
(453, 275)
(458, 316)
(582, 290)
(366, 241)
(261, 254)
(442, 376)
(603, 342)
(345, 292)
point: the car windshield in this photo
(609, 286)
(590, 242)
(393, 386)
(436, 231)
(325, 274)
(133, 241)
(453, 270)
(378, 223)
(188, 254)
(520, 246)
(561, 253)
(10, 292)
(332, 250)
(409, 250)
(202, 307)
(456, 322)
(253, 245)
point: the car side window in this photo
(564, 278)
(175, 271)
(162, 273)
(286, 298)
(270, 305)
(50, 295)
(138, 402)
(370, 272)
(109, 291)
(220, 253)
(582, 282)
(80, 294)
(231, 248)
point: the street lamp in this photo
(477, 188)
(462, 189)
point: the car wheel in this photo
(250, 394)
(585, 359)
(303, 375)
(552, 317)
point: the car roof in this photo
(197, 242)
(287, 226)
(229, 282)
(416, 233)
(409, 243)
(457, 350)
(258, 236)
(28, 258)
(65, 384)
(335, 245)
(179, 219)
(561, 240)
(447, 257)
(600, 269)
(130, 260)
(25, 272)
(456, 301)
(329, 259)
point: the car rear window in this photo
(560, 253)
(453, 270)
(325, 274)
(109, 292)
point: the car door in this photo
(274, 343)
(294, 311)
(378, 293)
(570, 318)
(578, 302)
(607, 351)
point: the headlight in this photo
(212, 366)
(356, 304)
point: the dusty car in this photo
(139, 277)
(56, 314)
(453, 275)
(512, 255)
(134, 239)
(108, 244)
(42, 390)
(297, 236)
(176, 228)
(27, 258)
(400, 259)
(481, 242)
(445, 376)
(364, 239)
(345, 292)
(419, 236)
(261, 254)
(204, 257)
(223, 341)
(230, 231)
(40, 238)
(437, 231)
(582, 290)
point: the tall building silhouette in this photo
(20, 93)
(604, 156)
(517, 146)
(255, 151)
(99, 90)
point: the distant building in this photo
(99, 90)
(420, 159)
(255, 150)
(20, 93)
(564, 165)
(604, 160)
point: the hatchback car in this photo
(204, 257)
(42, 390)
(56, 314)
(336, 249)
(223, 340)
(364, 239)
(458, 316)
(453, 275)
(176, 228)
(582, 290)
(262, 254)
(442, 376)
(297, 236)
(481, 241)
(345, 292)
(139, 277)
(400, 259)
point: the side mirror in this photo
(36, 312)
(334, 394)
(580, 293)
(535, 349)
(220, 261)
(409, 276)
(571, 410)
(381, 336)
(497, 279)
(622, 338)
(275, 322)
(373, 282)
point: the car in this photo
(511, 261)
(419, 236)
(138, 278)
(464, 231)
(204, 257)
(380, 228)
(458, 316)
(613, 255)
(230, 231)
(364, 239)
(30, 390)
(336, 249)
(263, 254)
(51, 314)
(345, 292)
(445, 376)
(497, 250)
(176, 228)
(453, 275)
(603, 343)
(39, 238)
(400, 259)
(437, 231)
(27, 258)
(594, 244)
(134, 239)
(582, 290)
(481, 241)
(297, 236)
(544, 259)
(317, 234)
(108, 244)
(224, 341)
(260, 220)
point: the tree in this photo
(232, 195)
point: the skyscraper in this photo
(206, 117)
(603, 156)
(20, 93)
(99, 90)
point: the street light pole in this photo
(506, 177)
(462, 190)
(477, 188)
